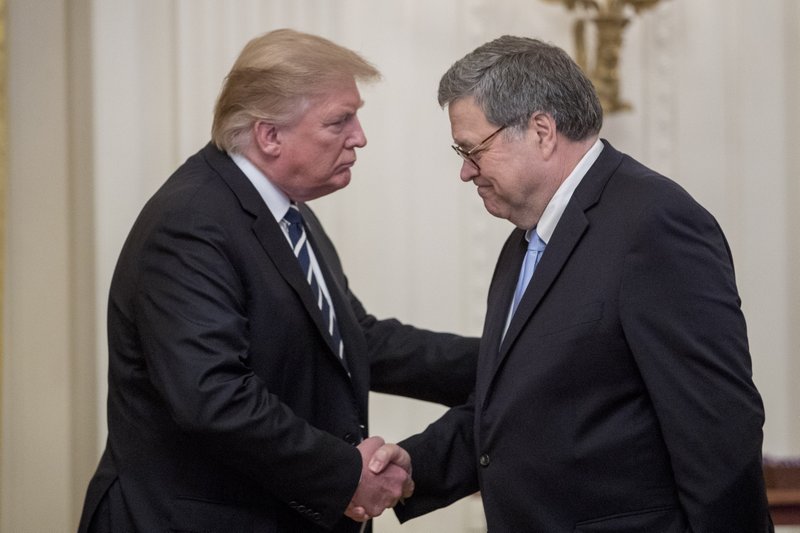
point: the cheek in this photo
(317, 163)
(328, 154)
(501, 185)
(514, 180)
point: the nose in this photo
(357, 138)
(468, 171)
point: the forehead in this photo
(467, 121)
(339, 97)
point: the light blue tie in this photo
(532, 256)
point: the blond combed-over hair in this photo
(273, 79)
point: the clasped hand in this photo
(385, 479)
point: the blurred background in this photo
(105, 98)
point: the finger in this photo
(368, 447)
(396, 484)
(408, 489)
(357, 513)
(390, 453)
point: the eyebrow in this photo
(347, 110)
(462, 143)
(466, 146)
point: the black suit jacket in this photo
(620, 399)
(228, 409)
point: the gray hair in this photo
(511, 78)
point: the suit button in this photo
(484, 460)
(316, 516)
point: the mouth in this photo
(344, 168)
(483, 188)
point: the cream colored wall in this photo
(108, 96)
(36, 461)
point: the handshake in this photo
(385, 479)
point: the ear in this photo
(543, 128)
(266, 138)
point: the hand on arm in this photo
(385, 479)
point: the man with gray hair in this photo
(614, 388)
(239, 360)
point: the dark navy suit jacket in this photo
(228, 408)
(621, 398)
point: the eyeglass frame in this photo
(468, 155)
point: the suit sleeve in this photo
(190, 309)
(681, 315)
(417, 363)
(444, 462)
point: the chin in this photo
(335, 183)
(342, 180)
(498, 213)
(491, 208)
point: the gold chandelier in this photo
(609, 18)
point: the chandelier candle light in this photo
(609, 18)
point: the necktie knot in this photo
(536, 244)
(293, 215)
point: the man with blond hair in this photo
(239, 360)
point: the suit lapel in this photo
(274, 243)
(570, 228)
(269, 235)
(502, 289)
(567, 235)
(355, 346)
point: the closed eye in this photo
(341, 121)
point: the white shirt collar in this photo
(276, 200)
(555, 208)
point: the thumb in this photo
(380, 459)
(388, 454)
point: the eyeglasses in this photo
(469, 155)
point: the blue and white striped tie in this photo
(297, 235)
